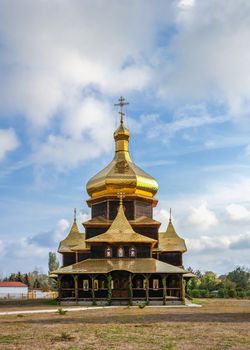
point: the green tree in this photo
(241, 277)
(53, 263)
(209, 281)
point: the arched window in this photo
(132, 252)
(108, 252)
(120, 252)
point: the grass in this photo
(7, 339)
(61, 311)
(218, 324)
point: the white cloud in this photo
(60, 230)
(209, 57)
(8, 142)
(202, 217)
(237, 212)
(242, 242)
(105, 50)
(86, 133)
(186, 118)
(26, 248)
(184, 4)
(208, 243)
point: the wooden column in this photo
(182, 292)
(92, 289)
(59, 284)
(76, 287)
(164, 284)
(130, 289)
(147, 277)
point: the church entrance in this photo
(120, 279)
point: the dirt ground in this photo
(218, 324)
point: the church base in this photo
(122, 302)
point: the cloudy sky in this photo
(184, 66)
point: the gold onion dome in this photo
(122, 174)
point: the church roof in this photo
(74, 238)
(169, 241)
(121, 231)
(122, 174)
(102, 221)
(147, 265)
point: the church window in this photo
(85, 284)
(108, 252)
(112, 284)
(120, 252)
(102, 284)
(155, 284)
(144, 284)
(132, 252)
(96, 286)
(138, 284)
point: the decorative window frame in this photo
(155, 284)
(108, 249)
(130, 252)
(85, 285)
(96, 284)
(102, 284)
(120, 249)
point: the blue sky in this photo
(183, 65)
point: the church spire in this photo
(75, 215)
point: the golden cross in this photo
(121, 104)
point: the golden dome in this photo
(122, 174)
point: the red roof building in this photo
(12, 284)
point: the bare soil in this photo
(218, 324)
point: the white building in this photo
(13, 290)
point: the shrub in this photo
(232, 293)
(141, 306)
(204, 293)
(241, 294)
(61, 312)
(195, 293)
(222, 293)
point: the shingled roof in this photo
(169, 241)
(147, 265)
(74, 238)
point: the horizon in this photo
(184, 69)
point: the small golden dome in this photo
(122, 174)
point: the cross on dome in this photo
(121, 104)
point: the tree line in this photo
(37, 279)
(208, 285)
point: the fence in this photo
(29, 295)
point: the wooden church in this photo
(122, 258)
